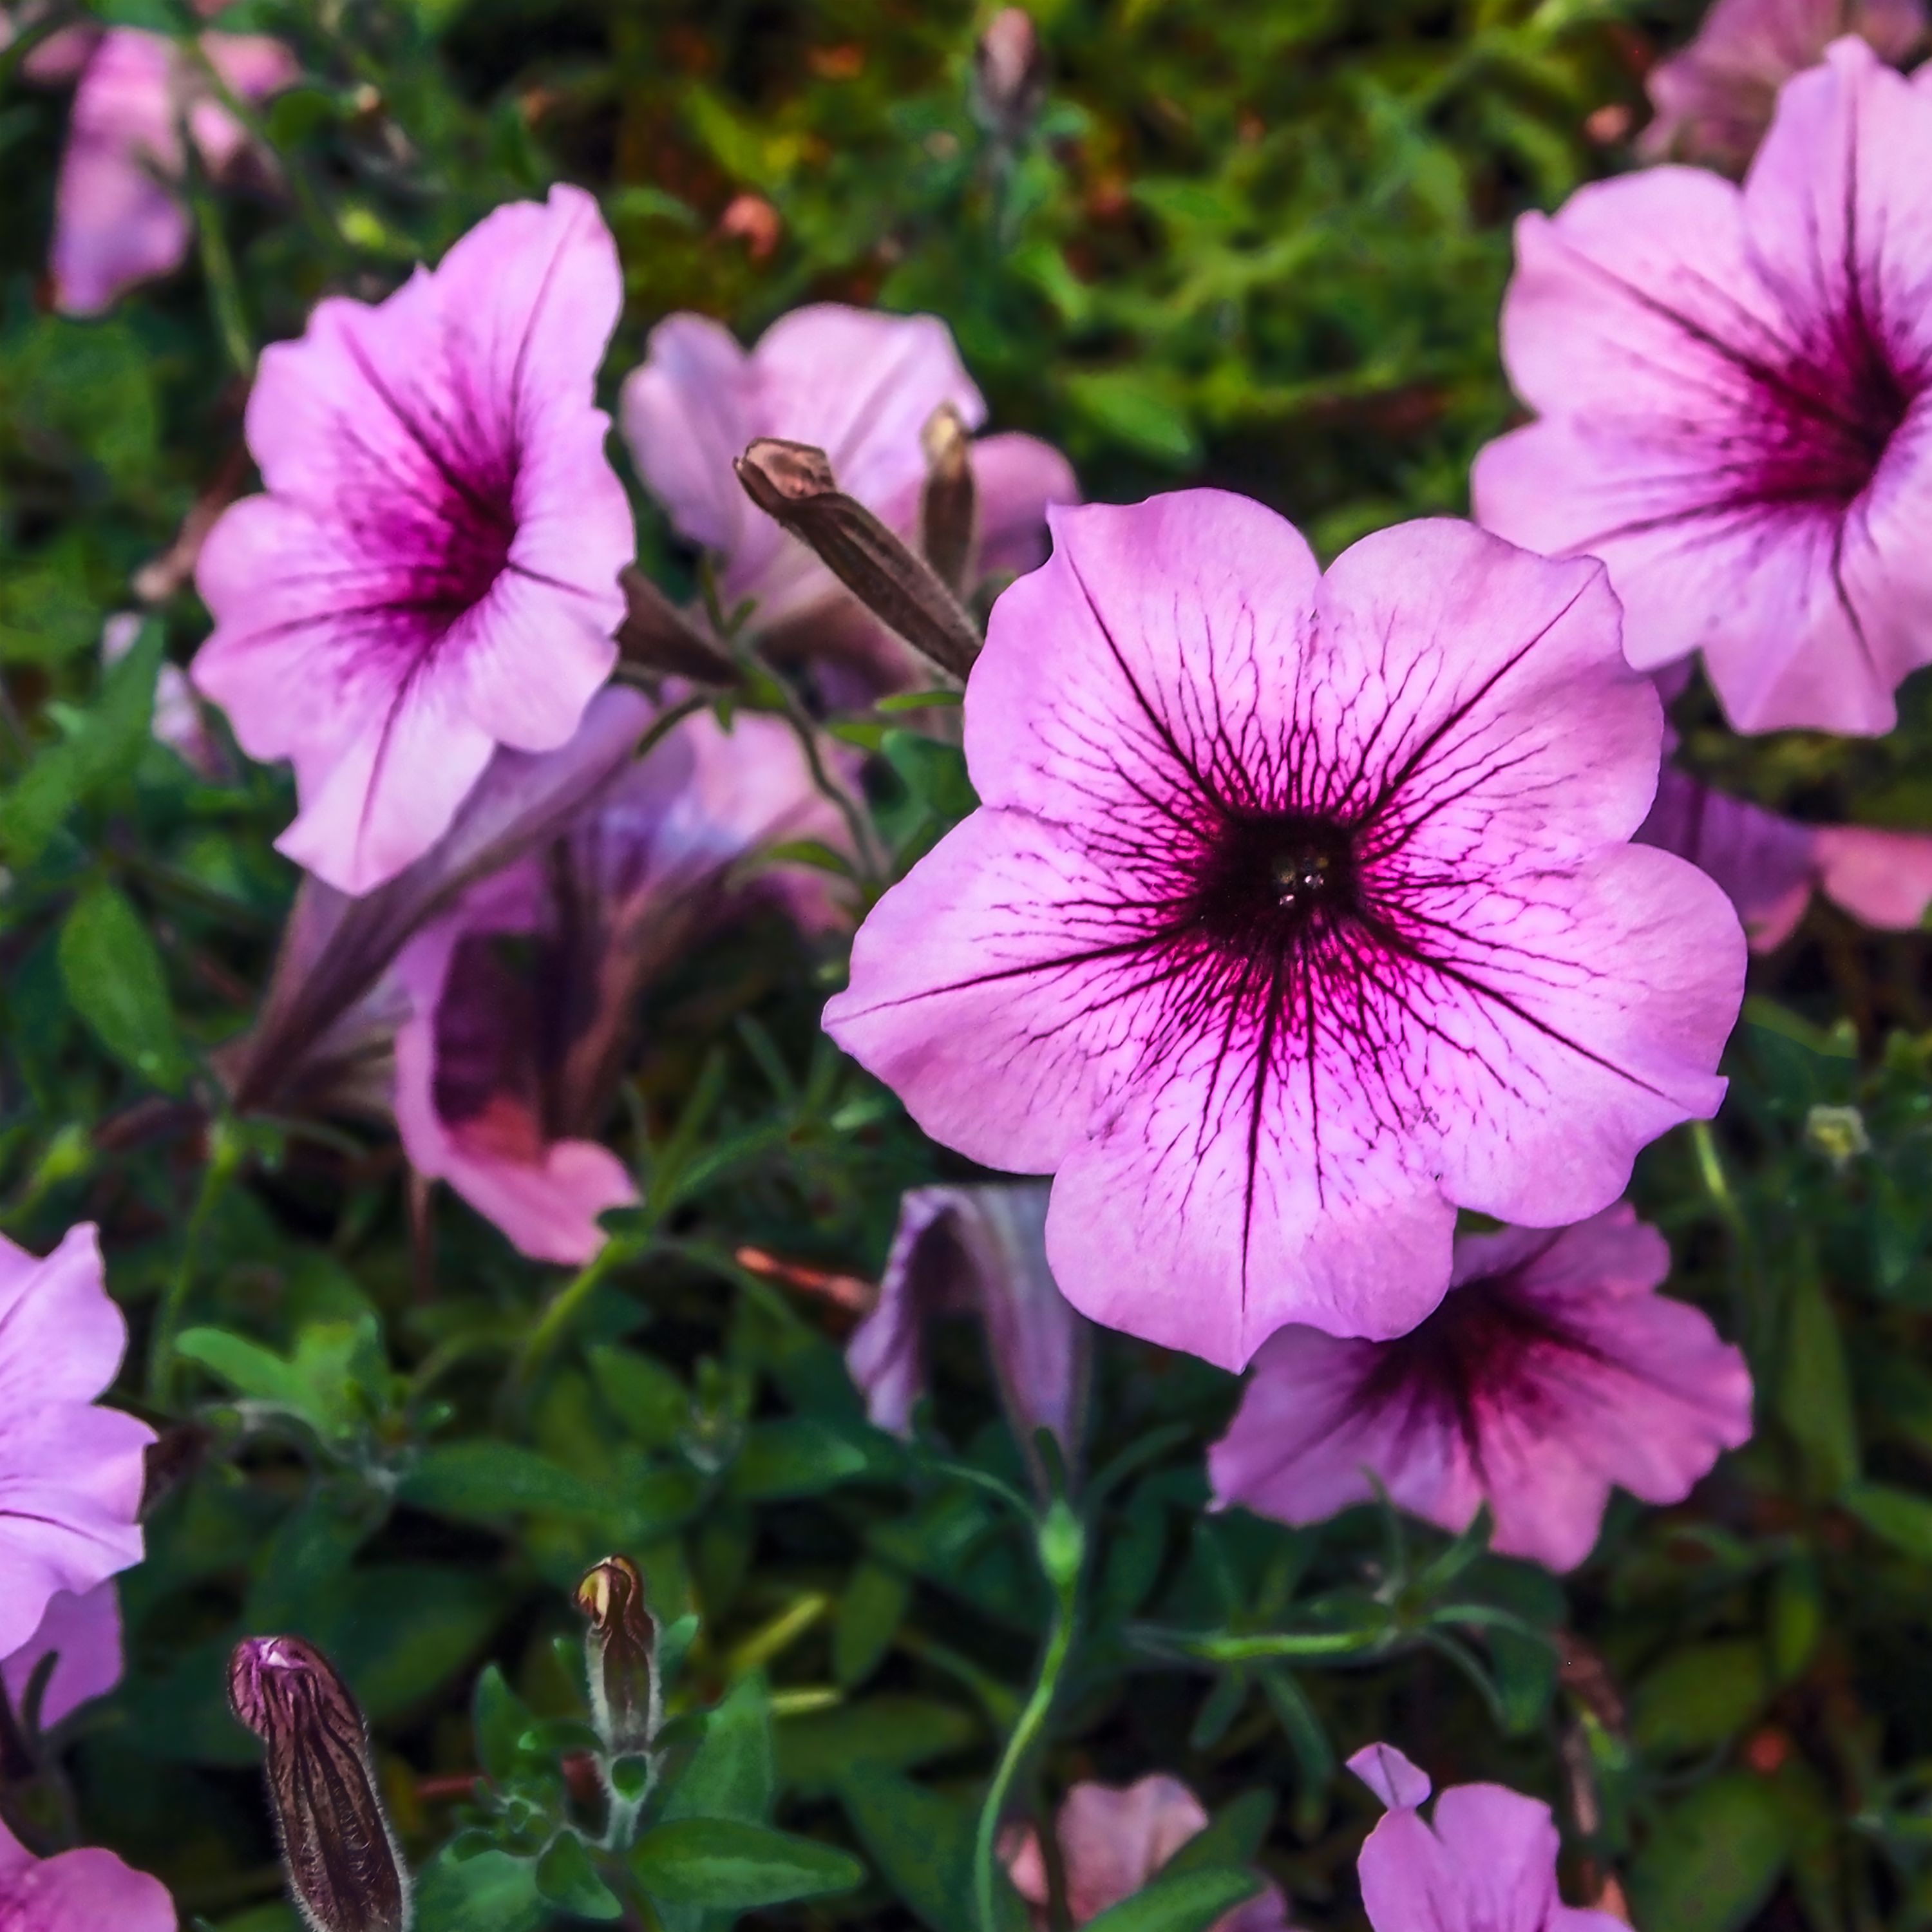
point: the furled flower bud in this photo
(345, 1871)
(620, 1647)
(1009, 74)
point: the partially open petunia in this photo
(1771, 865)
(1299, 911)
(1113, 1839)
(1552, 1370)
(1485, 1862)
(118, 215)
(432, 571)
(83, 1890)
(81, 1635)
(70, 1471)
(522, 998)
(1735, 391)
(1715, 100)
(859, 385)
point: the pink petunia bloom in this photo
(1486, 1862)
(1113, 1839)
(82, 1635)
(1715, 100)
(82, 1891)
(1771, 865)
(522, 997)
(861, 386)
(433, 572)
(1551, 1370)
(118, 217)
(1297, 913)
(70, 1471)
(1734, 387)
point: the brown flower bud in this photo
(948, 508)
(620, 1648)
(1009, 74)
(345, 1871)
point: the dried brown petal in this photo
(621, 1649)
(949, 509)
(657, 636)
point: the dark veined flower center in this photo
(1830, 417)
(1269, 880)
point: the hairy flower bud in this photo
(620, 1647)
(1009, 74)
(345, 1871)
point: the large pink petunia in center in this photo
(1299, 912)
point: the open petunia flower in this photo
(433, 572)
(1552, 1370)
(1485, 1862)
(1715, 100)
(82, 1635)
(70, 1471)
(82, 1891)
(522, 997)
(1734, 388)
(1298, 912)
(1112, 1841)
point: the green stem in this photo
(225, 1153)
(562, 1310)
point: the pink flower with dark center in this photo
(1771, 865)
(1715, 100)
(1735, 395)
(1551, 1370)
(84, 1891)
(1113, 1839)
(523, 998)
(1486, 1862)
(70, 1471)
(82, 1635)
(433, 572)
(1298, 912)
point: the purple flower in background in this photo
(84, 1891)
(858, 385)
(1715, 100)
(1735, 393)
(71, 1472)
(1298, 912)
(522, 997)
(975, 1250)
(433, 572)
(1112, 1841)
(1771, 865)
(82, 1634)
(1486, 1861)
(1551, 1370)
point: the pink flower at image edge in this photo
(88, 1890)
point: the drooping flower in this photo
(522, 997)
(80, 1891)
(1552, 1370)
(119, 216)
(1734, 388)
(1298, 912)
(82, 1635)
(1485, 1861)
(1112, 1841)
(1771, 865)
(432, 571)
(70, 1471)
(1715, 100)
(860, 385)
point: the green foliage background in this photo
(1256, 242)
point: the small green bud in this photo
(1062, 1544)
(1838, 1133)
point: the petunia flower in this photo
(859, 385)
(1113, 1839)
(70, 1471)
(82, 1635)
(522, 997)
(80, 1891)
(1771, 865)
(1715, 100)
(118, 215)
(432, 571)
(1552, 1370)
(1734, 387)
(1298, 912)
(1485, 1862)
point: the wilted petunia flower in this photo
(86, 1891)
(1486, 1862)
(82, 1634)
(1552, 1370)
(862, 387)
(1736, 389)
(433, 572)
(523, 997)
(1771, 865)
(70, 1471)
(1296, 914)
(1112, 1841)
(620, 1648)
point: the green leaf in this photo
(797, 1457)
(489, 1892)
(648, 1401)
(1189, 1900)
(115, 982)
(332, 1382)
(1141, 407)
(479, 1480)
(731, 1865)
(499, 1718)
(895, 1730)
(730, 1774)
(1814, 1397)
(1234, 1837)
(1701, 1695)
(1713, 1861)
(1903, 1518)
(566, 1877)
(870, 1612)
(922, 1844)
